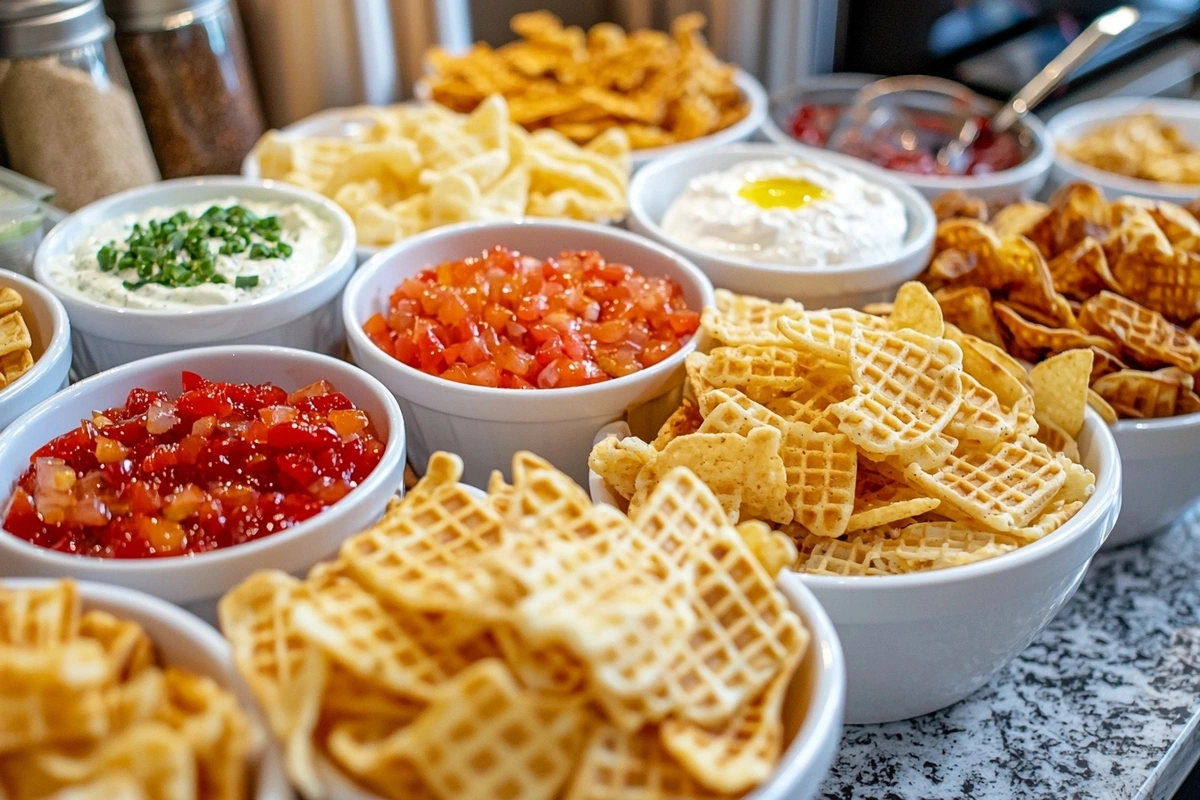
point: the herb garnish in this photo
(179, 251)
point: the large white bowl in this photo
(51, 334)
(487, 426)
(181, 641)
(920, 642)
(1074, 122)
(812, 715)
(1019, 183)
(1160, 459)
(304, 316)
(655, 187)
(201, 579)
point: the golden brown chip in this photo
(10, 300)
(950, 205)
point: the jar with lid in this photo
(190, 70)
(67, 116)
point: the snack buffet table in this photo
(1104, 704)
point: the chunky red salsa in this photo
(991, 152)
(509, 321)
(221, 464)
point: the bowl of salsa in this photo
(1001, 167)
(507, 336)
(180, 474)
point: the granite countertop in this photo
(1104, 704)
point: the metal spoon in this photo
(1094, 37)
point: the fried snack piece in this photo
(1144, 335)
(1138, 146)
(655, 88)
(1147, 395)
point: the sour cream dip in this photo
(311, 241)
(789, 212)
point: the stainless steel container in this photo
(316, 54)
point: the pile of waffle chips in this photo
(528, 645)
(1121, 279)
(409, 168)
(881, 445)
(15, 341)
(86, 712)
(1139, 146)
(659, 88)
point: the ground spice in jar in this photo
(63, 128)
(196, 91)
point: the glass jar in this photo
(67, 115)
(188, 64)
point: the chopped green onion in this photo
(246, 281)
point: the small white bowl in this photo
(304, 316)
(1160, 459)
(1078, 120)
(919, 642)
(487, 426)
(812, 715)
(1019, 183)
(202, 578)
(50, 331)
(181, 641)
(655, 187)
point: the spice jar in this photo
(67, 116)
(190, 70)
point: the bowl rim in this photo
(1088, 114)
(914, 204)
(1107, 492)
(160, 194)
(379, 262)
(824, 715)
(1157, 424)
(58, 346)
(1039, 162)
(127, 375)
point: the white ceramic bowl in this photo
(1074, 122)
(1021, 182)
(181, 641)
(487, 426)
(812, 715)
(1160, 459)
(304, 316)
(51, 334)
(201, 579)
(655, 187)
(920, 642)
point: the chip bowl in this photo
(1160, 459)
(812, 715)
(181, 641)
(304, 316)
(486, 426)
(1076, 121)
(50, 331)
(199, 580)
(655, 187)
(920, 642)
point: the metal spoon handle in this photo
(1094, 36)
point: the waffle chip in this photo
(87, 711)
(742, 320)
(894, 430)
(619, 461)
(592, 621)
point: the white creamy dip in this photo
(313, 240)
(844, 219)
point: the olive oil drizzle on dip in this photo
(205, 254)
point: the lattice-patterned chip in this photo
(1146, 336)
(1146, 395)
(909, 388)
(633, 766)
(826, 333)
(763, 373)
(740, 319)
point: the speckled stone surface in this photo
(1104, 704)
